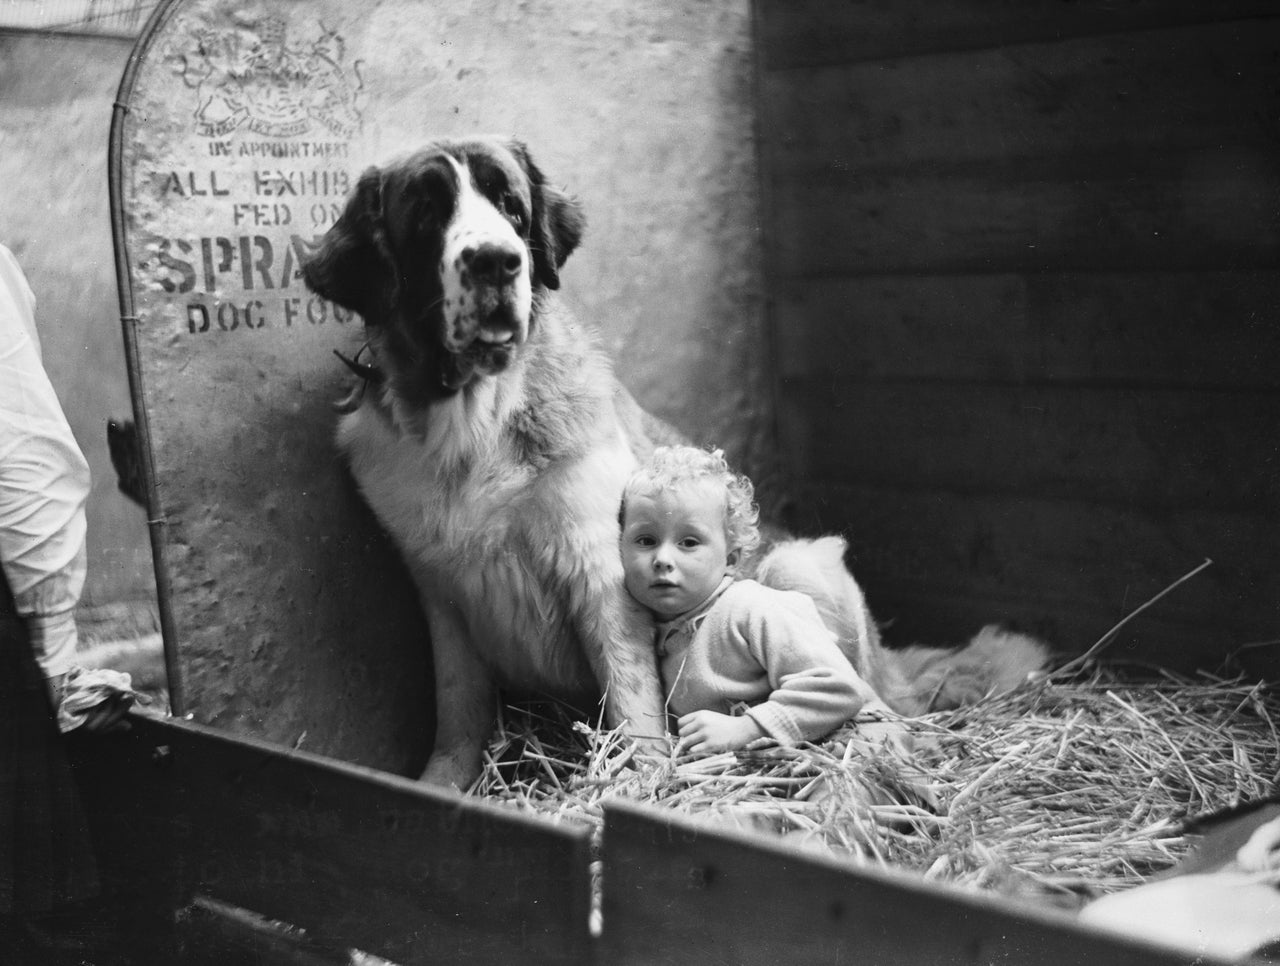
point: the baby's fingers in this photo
(690, 746)
(686, 722)
(692, 739)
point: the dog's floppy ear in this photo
(352, 264)
(557, 226)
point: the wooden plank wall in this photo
(1024, 263)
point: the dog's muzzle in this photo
(495, 318)
(488, 286)
(495, 271)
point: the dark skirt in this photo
(46, 860)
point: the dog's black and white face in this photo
(442, 253)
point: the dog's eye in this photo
(510, 207)
(425, 215)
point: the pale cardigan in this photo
(763, 652)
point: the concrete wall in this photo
(282, 594)
(55, 111)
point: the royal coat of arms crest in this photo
(253, 77)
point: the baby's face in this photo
(674, 547)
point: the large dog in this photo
(492, 441)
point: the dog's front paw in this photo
(450, 772)
(651, 750)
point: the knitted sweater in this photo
(767, 649)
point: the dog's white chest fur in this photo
(473, 521)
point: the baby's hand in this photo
(707, 732)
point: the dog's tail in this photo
(911, 680)
(918, 679)
(816, 567)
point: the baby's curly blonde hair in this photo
(670, 467)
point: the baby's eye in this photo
(645, 541)
(689, 543)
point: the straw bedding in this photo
(1070, 788)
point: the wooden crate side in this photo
(1154, 642)
(804, 33)
(1022, 277)
(131, 813)
(353, 856)
(679, 892)
(1194, 209)
(1215, 329)
(938, 564)
(1182, 450)
(215, 934)
(1130, 93)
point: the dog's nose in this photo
(493, 263)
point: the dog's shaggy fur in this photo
(493, 441)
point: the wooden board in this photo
(807, 32)
(354, 856)
(939, 564)
(1180, 449)
(214, 934)
(1075, 329)
(1127, 94)
(679, 892)
(1200, 209)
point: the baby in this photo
(739, 661)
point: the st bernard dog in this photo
(492, 440)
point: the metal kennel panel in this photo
(239, 129)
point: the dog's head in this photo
(442, 254)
